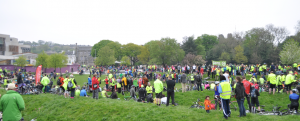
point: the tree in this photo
(21, 61)
(105, 57)
(132, 51)
(191, 59)
(144, 57)
(255, 59)
(98, 46)
(240, 57)
(162, 51)
(225, 57)
(116, 46)
(42, 59)
(188, 45)
(58, 60)
(125, 61)
(179, 55)
(290, 52)
(208, 41)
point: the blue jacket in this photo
(294, 96)
(90, 81)
(83, 93)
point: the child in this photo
(254, 98)
(207, 87)
(207, 104)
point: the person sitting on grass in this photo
(114, 95)
(142, 93)
(104, 93)
(207, 104)
(254, 98)
(132, 92)
(294, 98)
(207, 87)
(83, 92)
(77, 92)
(149, 98)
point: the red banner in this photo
(38, 74)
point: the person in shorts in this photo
(272, 81)
(254, 98)
(158, 86)
(288, 82)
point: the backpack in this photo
(256, 86)
(253, 93)
(58, 82)
(198, 78)
(70, 84)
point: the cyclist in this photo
(294, 98)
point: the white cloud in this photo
(87, 22)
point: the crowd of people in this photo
(136, 81)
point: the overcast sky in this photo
(139, 21)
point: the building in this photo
(83, 55)
(71, 57)
(10, 46)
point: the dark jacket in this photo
(142, 92)
(240, 91)
(170, 85)
(198, 79)
(183, 78)
(19, 79)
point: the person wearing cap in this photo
(272, 80)
(83, 92)
(11, 104)
(132, 92)
(170, 90)
(294, 98)
(45, 81)
(225, 94)
(288, 82)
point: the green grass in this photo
(55, 107)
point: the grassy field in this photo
(55, 107)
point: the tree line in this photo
(258, 45)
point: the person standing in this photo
(247, 86)
(225, 93)
(158, 86)
(95, 87)
(170, 90)
(61, 79)
(198, 78)
(72, 89)
(11, 104)
(45, 81)
(288, 82)
(183, 82)
(240, 95)
(20, 81)
(272, 80)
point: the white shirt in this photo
(194, 67)
(226, 76)
(164, 100)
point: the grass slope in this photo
(54, 107)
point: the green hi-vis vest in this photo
(295, 65)
(192, 78)
(118, 85)
(261, 81)
(226, 91)
(103, 93)
(278, 79)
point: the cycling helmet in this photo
(217, 82)
(206, 82)
(294, 90)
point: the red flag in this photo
(38, 74)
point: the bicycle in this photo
(275, 111)
(287, 111)
(198, 105)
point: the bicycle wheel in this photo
(285, 111)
